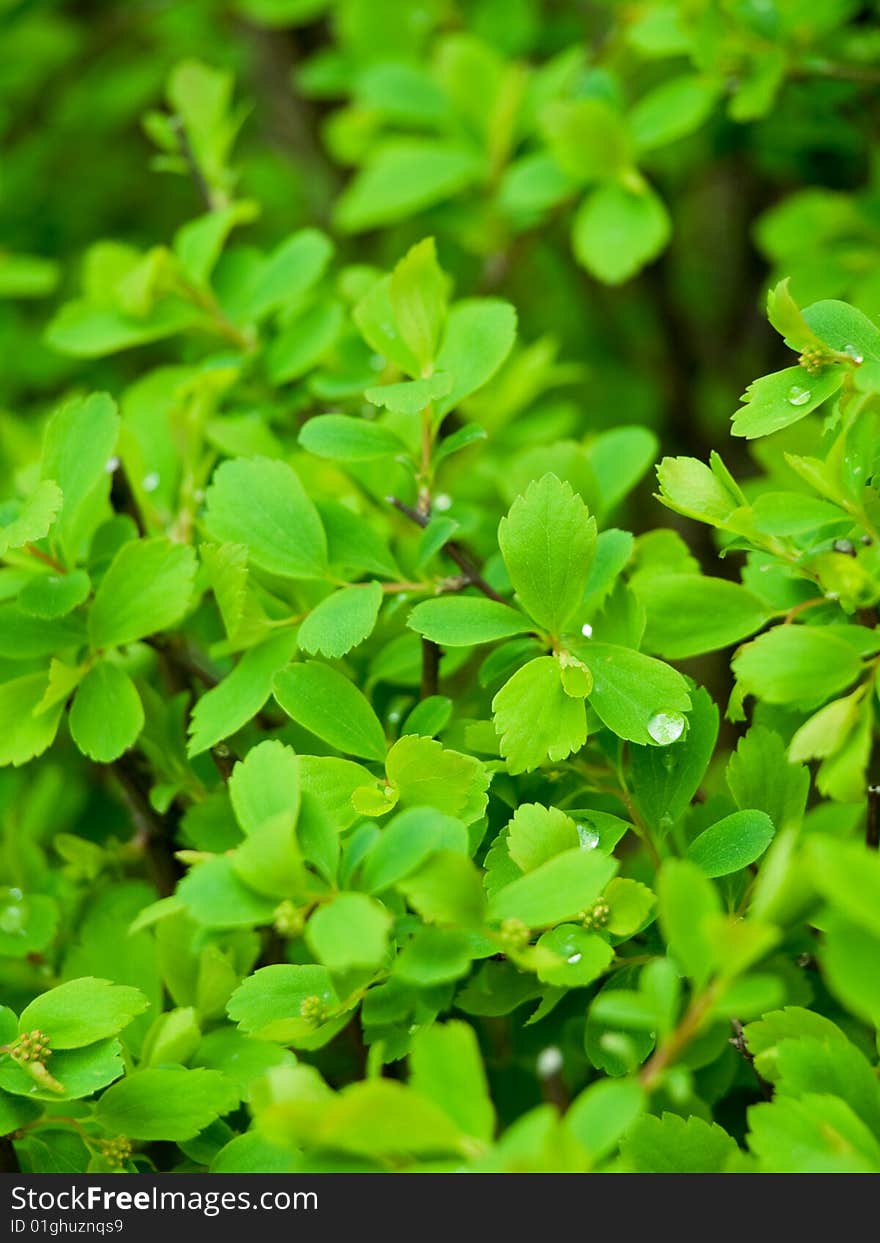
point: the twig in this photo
(152, 833)
(9, 1163)
(872, 819)
(677, 1042)
(452, 550)
(430, 668)
(192, 164)
(738, 1041)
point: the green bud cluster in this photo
(31, 1046)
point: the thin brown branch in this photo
(738, 1041)
(153, 834)
(453, 550)
(675, 1044)
(430, 669)
(872, 819)
(9, 1163)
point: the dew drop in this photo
(587, 836)
(573, 959)
(150, 482)
(798, 396)
(549, 1062)
(111, 464)
(853, 352)
(666, 727)
(587, 630)
(442, 501)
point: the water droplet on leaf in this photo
(587, 836)
(150, 482)
(798, 396)
(666, 727)
(853, 352)
(587, 630)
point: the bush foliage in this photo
(389, 780)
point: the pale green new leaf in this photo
(535, 719)
(228, 706)
(146, 588)
(465, 621)
(341, 621)
(327, 704)
(107, 715)
(547, 540)
(260, 502)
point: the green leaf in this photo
(216, 898)
(146, 588)
(465, 621)
(426, 774)
(665, 779)
(327, 704)
(616, 231)
(261, 503)
(411, 396)
(381, 1118)
(672, 110)
(418, 300)
(849, 957)
(536, 834)
(290, 271)
(629, 905)
(344, 439)
(535, 719)
(688, 614)
(847, 874)
(480, 333)
(82, 1012)
(107, 715)
(228, 706)
(78, 443)
(759, 775)
(579, 957)
(446, 1068)
(341, 621)
(349, 932)
(556, 890)
(548, 540)
(446, 890)
(787, 318)
(434, 956)
(673, 1145)
(778, 400)
(406, 842)
(268, 1003)
(797, 665)
(687, 903)
(403, 177)
(587, 138)
(813, 1135)
(635, 696)
(165, 1104)
(697, 491)
(25, 732)
(80, 1072)
(602, 1113)
(54, 595)
(32, 520)
(732, 843)
(264, 787)
(844, 328)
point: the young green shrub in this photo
(369, 802)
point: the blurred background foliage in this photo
(749, 124)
